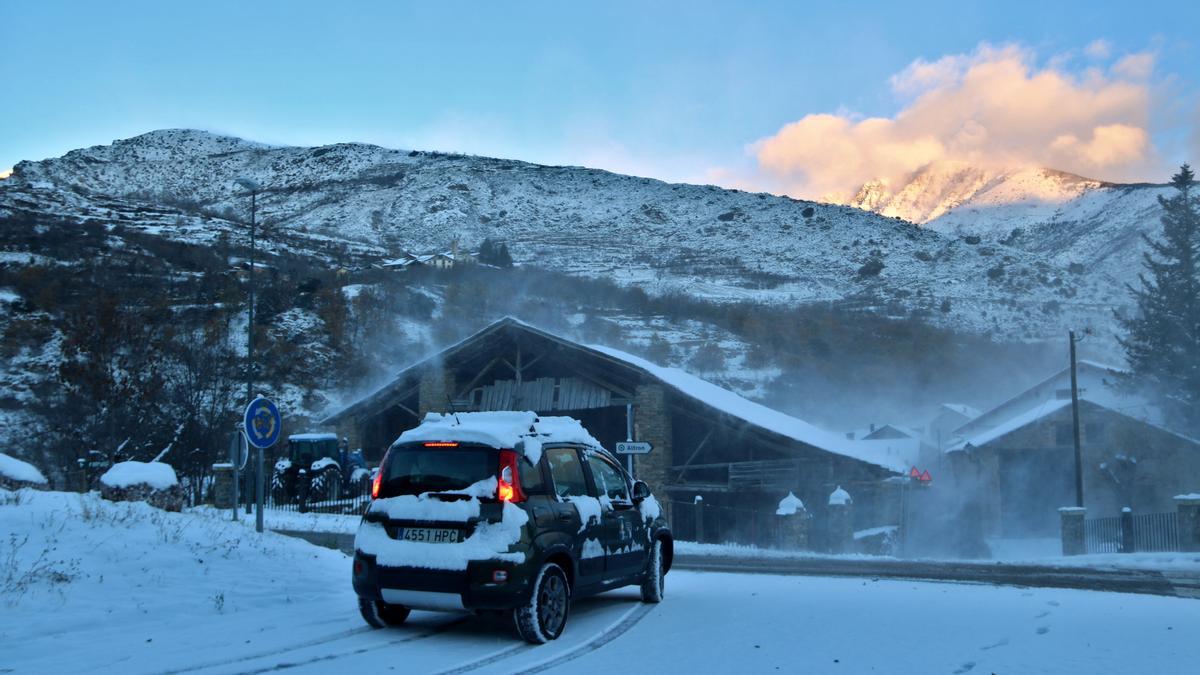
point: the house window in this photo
(1093, 430)
(1064, 434)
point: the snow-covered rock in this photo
(15, 473)
(152, 482)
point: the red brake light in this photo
(441, 444)
(508, 482)
(377, 482)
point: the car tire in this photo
(654, 584)
(545, 616)
(379, 614)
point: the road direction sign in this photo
(633, 448)
(262, 423)
(239, 451)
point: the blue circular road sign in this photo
(262, 423)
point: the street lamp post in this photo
(258, 474)
(1075, 424)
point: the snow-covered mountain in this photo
(945, 188)
(1069, 220)
(702, 240)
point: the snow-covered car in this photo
(504, 512)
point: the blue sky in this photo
(673, 90)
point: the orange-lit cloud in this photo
(994, 106)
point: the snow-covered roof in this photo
(906, 451)
(686, 384)
(498, 429)
(313, 437)
(755, 413)
(15, 469)
(157, 475)
(1014, 423)
(963, 409)
(1093, 385)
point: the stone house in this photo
(1016, 463)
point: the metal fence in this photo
(1147, 532)
(1156, 532)
(713, 524)
(307, 496)
(1102, 535)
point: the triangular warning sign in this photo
(925, 477)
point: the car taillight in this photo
(508, 482)
(376, 483)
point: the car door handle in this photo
(564, 516)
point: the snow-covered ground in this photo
(92, 585)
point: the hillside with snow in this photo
(708, 242)
(1063, 218)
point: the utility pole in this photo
(258, 478)
(1075, 425)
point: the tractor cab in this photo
(304, 449)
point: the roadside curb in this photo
(1149, 582)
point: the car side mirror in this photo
(640, 491)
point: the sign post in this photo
(262, 426)
(239, 452)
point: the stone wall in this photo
(652, 423)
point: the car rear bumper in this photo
(443, 590)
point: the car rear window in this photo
(414, 469)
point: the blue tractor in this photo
(318, 468)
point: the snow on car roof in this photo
(313, 437)
(497, 429)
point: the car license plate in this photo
(430, 535)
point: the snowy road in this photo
(125, 588)
(715, 622)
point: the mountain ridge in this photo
(722, 245)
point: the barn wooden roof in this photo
(621, 373)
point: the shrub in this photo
(871, 268)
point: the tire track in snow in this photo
(610, 633)
(313, 643)
(437, 630)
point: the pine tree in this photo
(1162, 342)
(503, 258)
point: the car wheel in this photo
(544, 618)
(379, 614)
(654, 584)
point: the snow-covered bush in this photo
(152, 482)
(16, 474)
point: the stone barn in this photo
(1017, 460)
(738, 457)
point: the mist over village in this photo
(542, 337)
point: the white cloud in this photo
(994, 106)
(1098, 49)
